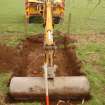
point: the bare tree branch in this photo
(98, 3)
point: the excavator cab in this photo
(35, 9)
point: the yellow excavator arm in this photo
(48, 23)
(48, 36)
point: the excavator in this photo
(49, 85)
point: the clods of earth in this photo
(27, 58)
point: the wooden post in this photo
(26, 17)
(69, 22)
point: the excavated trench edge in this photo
(15, 59)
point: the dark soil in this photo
(28, 57)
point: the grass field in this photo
(84, 18)
(93, 56)
(90, 48)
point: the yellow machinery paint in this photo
(37, 8)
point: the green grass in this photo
(95, 69)
(4, 77)
(84, 18)
(12, 18)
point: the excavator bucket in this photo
(22, 88)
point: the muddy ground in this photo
(26, 59)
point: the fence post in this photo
(69, 23)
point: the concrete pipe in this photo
(31, 87)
